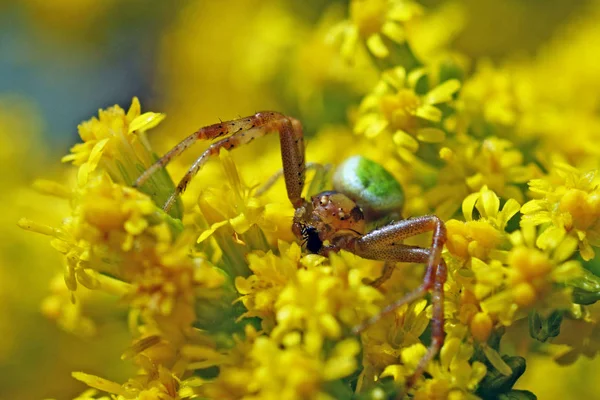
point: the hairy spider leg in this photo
(292, 154)
(383, 244)
(207, 133)
(408, 254)
(437, 322)
(434, 280)
(386, 273)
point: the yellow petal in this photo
(414, 76)
(377, 47)
(394, 31)
(101, 383)
(532, 206)
(395, 77)
(468, 205)
(241, 223)
(347, 347)
(405, 140)
(431, 135)
(586, 251)
(96, 154)
(535, 219)
(497, 361)
(211, 230)
(449, 351)
(404, 11)
(565, 249)
(429, 113)
(147, 120)
(511, 207)
(134, 110)
(489, 203)
(52, 188)
(348, 47)
(336, 368)
(550, 238)
(376, 127)
(443, 92)
(395, 371)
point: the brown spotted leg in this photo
(386, 273)
(292, 152)
(384, 244)
(207, 133)
(403, 253)
(437, 323)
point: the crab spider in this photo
(337, 220)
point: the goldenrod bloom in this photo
(374, 22)
(568, 204)
(394, 106)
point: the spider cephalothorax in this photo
(327, 218)
(336, 220)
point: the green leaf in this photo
(541, 328)
(586, 288)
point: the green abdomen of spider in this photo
(371, 186)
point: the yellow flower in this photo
(232, 203)
(304, 294)
(116, 143)
(533, 277)
(395, 107)
(453, 376)
(484, 237)
(318, 70)
(260, 291)
(568, 204)
(489, 97)
(472, 164)
(383, 342)
(118, 231)
(375, 22)
(156, 383)
(69, 316)
(264, 369)
(115, 140)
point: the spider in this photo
(336, 220)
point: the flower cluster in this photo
(224, 304)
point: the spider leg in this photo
(434, 280)
(384, 244)
(406, 254)
(208, 132)
(386, 273)
(292, 153)
(320, 171)
(437, 323)
(378, 244)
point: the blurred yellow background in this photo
(197, 61)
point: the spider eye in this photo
(311, 237)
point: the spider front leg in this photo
(243, 131)
(207, 133)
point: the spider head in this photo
(327, 216)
